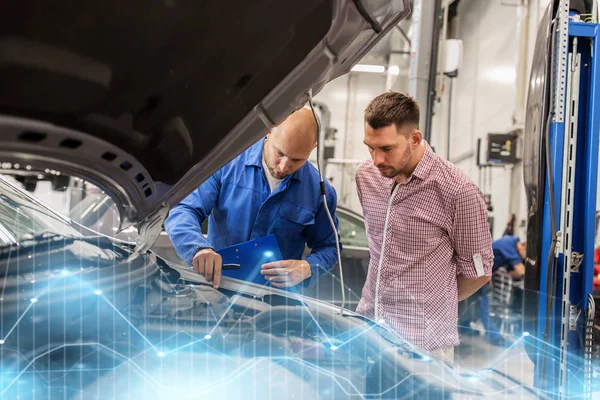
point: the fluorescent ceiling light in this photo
(368, 68)
(394, 70)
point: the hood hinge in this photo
(150, 228)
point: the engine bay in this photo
(72, 326)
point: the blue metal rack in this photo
(573, 140)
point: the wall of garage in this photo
(488, 96)
(484, 96)
(347, 98)
(54, 199)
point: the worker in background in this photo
(509, 253)
(427, 226)
(268, 189)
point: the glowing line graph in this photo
(32, 301)
(252, 364)
(307, 309)
(346, 287)
(124, 318)
(168, 351)
(336, 347)
(129, 322)
(236, 373)
(217, 325)
(231, 304)
(3, 340)
(499, 361)
(451, 384)
(236, 322)
(327, 372)
(108, 302)
(363, 332)
(67, 345)
(154, 347)
(335, 377)
(204, 341)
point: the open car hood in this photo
(147, 100)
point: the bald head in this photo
(299, 127)
(289, 144)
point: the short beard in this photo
(393, 171)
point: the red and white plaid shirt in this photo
(437, 223)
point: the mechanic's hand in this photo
(286, 273)
(208, 263)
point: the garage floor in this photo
(476, 353)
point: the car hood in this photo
(451, 381)
(147, 100)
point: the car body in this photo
(146, 100)
(87, 316)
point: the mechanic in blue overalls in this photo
(268, 189)
(509, 253)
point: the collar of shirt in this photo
(425, 164)
(254, 159)
(421, 171)
(273, 182)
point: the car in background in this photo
(355, 263)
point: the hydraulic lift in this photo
(560, 171)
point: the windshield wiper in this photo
(46, 241)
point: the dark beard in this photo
(394, 172)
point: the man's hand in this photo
(286, 273)
(518, 271)
(208, 263)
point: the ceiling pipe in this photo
(431, 92)
(423, 64)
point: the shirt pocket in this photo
(293, 220)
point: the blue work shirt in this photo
(505, 253)
(241, 207)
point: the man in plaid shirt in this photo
(426, 221)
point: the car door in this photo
(353, 234)
(355, 263)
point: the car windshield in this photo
(21, 216)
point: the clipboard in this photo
(243, 261)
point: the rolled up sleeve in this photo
(471, 235)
